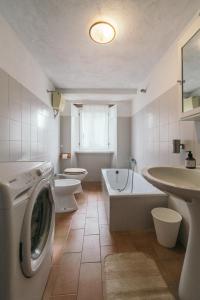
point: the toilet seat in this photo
(66, 182)
(75, 171)
(77, 174)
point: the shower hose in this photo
(132, 163)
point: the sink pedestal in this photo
(189, 287)
(184, 184)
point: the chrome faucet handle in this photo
(133, 160)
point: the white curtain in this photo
(94, 127)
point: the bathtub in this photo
(129, 208)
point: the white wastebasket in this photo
(167, 223)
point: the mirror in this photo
(191, 73)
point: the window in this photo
(94, 127)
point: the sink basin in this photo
(185, 184)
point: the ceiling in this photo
(56, 33)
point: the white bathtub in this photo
(129, 208)
(116, 179)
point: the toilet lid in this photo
(75, 171)
(66, 182)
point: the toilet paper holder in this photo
(177, 146)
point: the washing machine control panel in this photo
(26, 181)
(44, 170)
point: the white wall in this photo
(123, 141)
(17, 61)
(166, 72)
(163, 77)
(19, 66)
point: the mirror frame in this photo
(190, 31)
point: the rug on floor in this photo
(133, 276)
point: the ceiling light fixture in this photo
(102, 32)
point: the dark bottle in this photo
(190, 161)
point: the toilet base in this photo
(66, 203)
(79, 189)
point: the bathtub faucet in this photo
(132, 161)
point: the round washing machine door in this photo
(38, 228)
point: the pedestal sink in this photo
(185, 184)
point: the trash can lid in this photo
(166, 215)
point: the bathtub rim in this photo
(115, 193)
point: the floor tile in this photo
(106, 240)
(92, 197)
(74, 242)
(91, 226)
(92, 211)
(90, 283)
(64, 297)
(107, 250)
(123, 242)
(103, 220)
(171, 270)
(174, 289)
(106, 237)
(78, 221)
(51, 283)
(63, 222)
(167, 253)
(91, 249)
(102, 217)
(58, 249)
(68, 275)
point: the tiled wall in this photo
(27, 126)
(65, 140)
(123, 141)
(154, 128)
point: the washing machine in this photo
(27, 220)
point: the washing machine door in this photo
(38, 228)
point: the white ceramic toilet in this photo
(76, 173)
(64, 194)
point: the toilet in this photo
(64, 194)
(76, 173)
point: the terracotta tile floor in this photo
(82, 240)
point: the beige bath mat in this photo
(133, 276)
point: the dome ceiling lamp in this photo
(102, 32)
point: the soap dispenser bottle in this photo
(190, 161)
